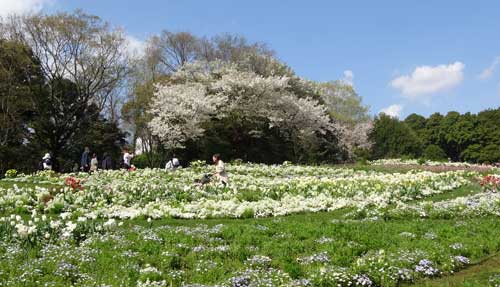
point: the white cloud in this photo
(427, 80)
(9, 7)
(486, 73)
(348, 77)
(392, 110)
(135, 47)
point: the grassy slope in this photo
(285, 239)
(475, 275)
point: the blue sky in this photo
(407, 56)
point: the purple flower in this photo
(462, 260)
(362, 280)
(425, 267)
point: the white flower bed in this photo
(254, 191)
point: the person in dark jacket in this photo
(106, 162)
(85, 160)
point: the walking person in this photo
(220, 170)
(106, 163)
(85, 160)
(94, 163)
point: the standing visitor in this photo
(85, 160)
(106, 162)
(173, 163)
(127, 159)
(94, 163)
(220, 170)
(46, 162)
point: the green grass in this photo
(470, 189)
(282, 239)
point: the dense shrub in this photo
(434, 152)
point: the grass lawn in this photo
(211, 251)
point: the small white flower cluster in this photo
(321, 257)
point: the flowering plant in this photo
(46, 174)
(197, 164)
(73, 182)
(11, 173)
(490, 183)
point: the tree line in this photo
(457, 137)
(68, 81)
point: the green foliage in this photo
(472, 153)
(11, 173)
(248, 213)
(65, 120)
(20, 79)
(144, 160)
(434, 153)
(198, 164)
(490, 154)
(392, 138)
(361, 155)
(460, 137)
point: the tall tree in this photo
(83, 62)
(169, 53)
(20, 74)
(392, 138)
(343, 102)
(175, 49)
(202, 93)
(77, 47)
(21, 80)
(417, 123)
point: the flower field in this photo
(273, 225)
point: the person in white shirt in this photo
(173, 163)
(220, 170)
(127, 159)
(47, 162)
(94, 163)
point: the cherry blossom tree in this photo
(180, 111)
(204, 91)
